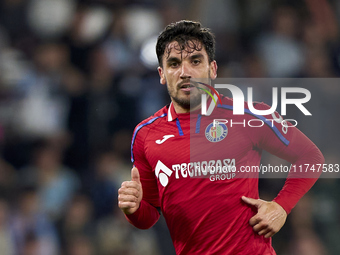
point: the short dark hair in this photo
(190, 35)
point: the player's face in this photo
(179, 66)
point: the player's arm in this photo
(295, 147)
(301, 153)
(138, 198)
(292, 145)
(130, 193)
(138, 212)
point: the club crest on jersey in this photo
(216, 134)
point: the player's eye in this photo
(173, 64)
(196, 61)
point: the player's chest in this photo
(180, 142)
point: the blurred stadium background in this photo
(76, 76)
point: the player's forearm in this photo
(293, 191)
(145, 217)
(300, 179)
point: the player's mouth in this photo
(187, 87)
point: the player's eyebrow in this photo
(198, 55)
(173, 59)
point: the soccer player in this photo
(208, 211)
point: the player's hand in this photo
(269, 219)
(130, 193)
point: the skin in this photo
(178, 67)
(130, 193)
(270, 216)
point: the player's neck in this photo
(180, 109)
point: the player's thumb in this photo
(252, 201)
(135, 175)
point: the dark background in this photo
(77, 76)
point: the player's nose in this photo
(185, 71)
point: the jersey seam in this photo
(143, 124)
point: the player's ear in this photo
(161, 75)
(213, 70)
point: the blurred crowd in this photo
(76, 76)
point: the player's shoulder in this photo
(145, 125)
(227, 101)
(151, 119)
(256, 109)
(258, 105)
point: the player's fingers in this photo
(269, 234)
(252, 201)
(127, 198)
(264, 231)
(254, 220)
(135, 175)
(126, 205)
(260, 227)
(130, 184)
(128, 191)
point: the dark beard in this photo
(187, 104)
